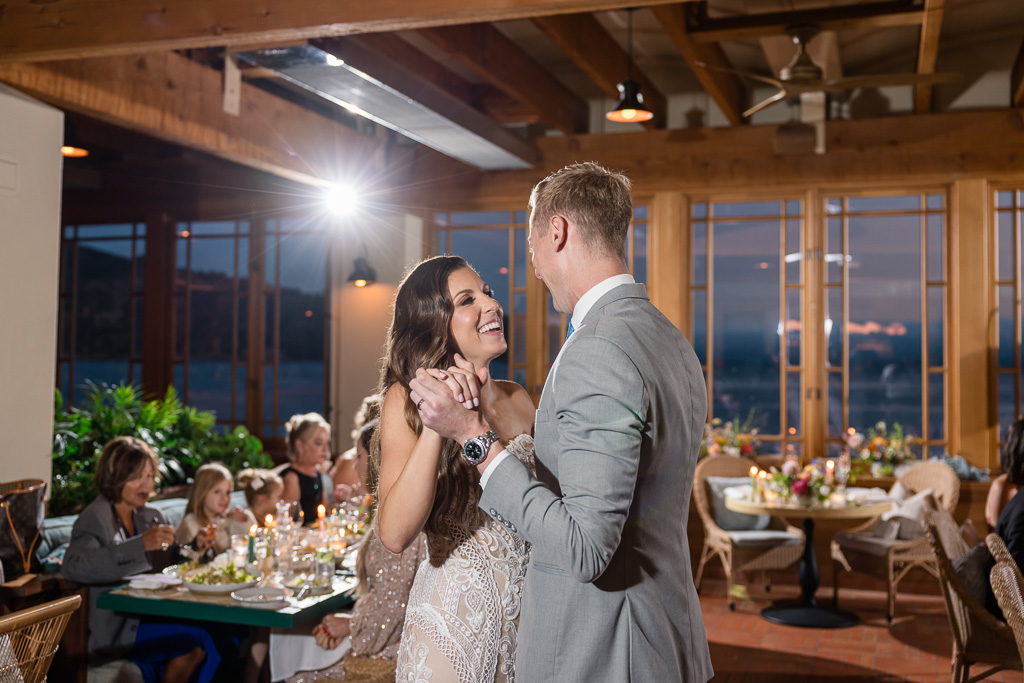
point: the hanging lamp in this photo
(630, 108)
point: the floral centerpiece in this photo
(805, 485)
(882, 449)
(730, 438)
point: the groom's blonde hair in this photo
(595, 199)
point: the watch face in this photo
(473, 451)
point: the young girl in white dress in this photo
(464, 606)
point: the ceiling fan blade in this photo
(881, 80)
(781, 95)
(744, 74)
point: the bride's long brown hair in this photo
(420, 337)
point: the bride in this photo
(463, 609)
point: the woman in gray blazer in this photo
(118, 535)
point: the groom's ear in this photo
(559, 232)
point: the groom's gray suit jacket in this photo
(609, 594)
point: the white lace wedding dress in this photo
(464, 605)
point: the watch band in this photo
(474, 451)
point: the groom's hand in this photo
(440, 408)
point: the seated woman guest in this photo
(348, 482)
(1011, 520)
(309, 444)
(1003, 488)
(118, 535)
(263, 490)
(208, 503)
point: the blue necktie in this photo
(569, 331)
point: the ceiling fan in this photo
(802, 75)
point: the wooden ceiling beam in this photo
(496, 59)
(725, 89)
(872, 15)
(172, 98)
(928, 52)
(35, 31)
(590, 47)
(1017, 80)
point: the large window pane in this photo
(746, 321)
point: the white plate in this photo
(267, 597)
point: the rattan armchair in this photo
(996, 546)
(978, 637)
(29, 638)
(780, 548)
(1008, 585)
(858, 550)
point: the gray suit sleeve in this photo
(92, 556)
(600, 408)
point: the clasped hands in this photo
(448, 399)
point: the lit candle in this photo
(753, 482)
(252, 544)
(269, 524)
(320, 512)
(762, 476)
(830, 472)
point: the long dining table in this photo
(179, 602)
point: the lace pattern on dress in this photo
(463, 613)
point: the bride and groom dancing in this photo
(594, 503)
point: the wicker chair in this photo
(858, 550)
(978, 637)
(1008, 585)
(29, 638)
(1000, 553)
(741, 551)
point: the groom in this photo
(609, 595)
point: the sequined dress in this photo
(463, 613)
(376, 625)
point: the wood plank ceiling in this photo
(535, 67)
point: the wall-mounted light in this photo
(630, 108)
(73, 152)
(362, 272)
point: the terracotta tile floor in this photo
(745, 648)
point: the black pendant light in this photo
(630, 108)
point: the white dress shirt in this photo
(579, 312)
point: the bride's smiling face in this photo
(476, 325)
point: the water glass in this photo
(324, 576)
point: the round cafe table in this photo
(805, 611)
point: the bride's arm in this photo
(408, 474)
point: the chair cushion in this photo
(971, 568)
(726, 518)
(764, 539)
(910, 513)
(864, 543)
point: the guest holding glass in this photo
(208, 522)
(118, 535)
(309, 444)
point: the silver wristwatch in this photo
(475, 449)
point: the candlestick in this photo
(830, 472)
(762, 477)
(252, 544)
(320, 512)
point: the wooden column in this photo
(971, 421)
(158, 306)
(670, 258)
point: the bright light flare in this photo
(341, 200)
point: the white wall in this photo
(31, 134)
(361, 315)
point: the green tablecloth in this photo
(179, 602)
